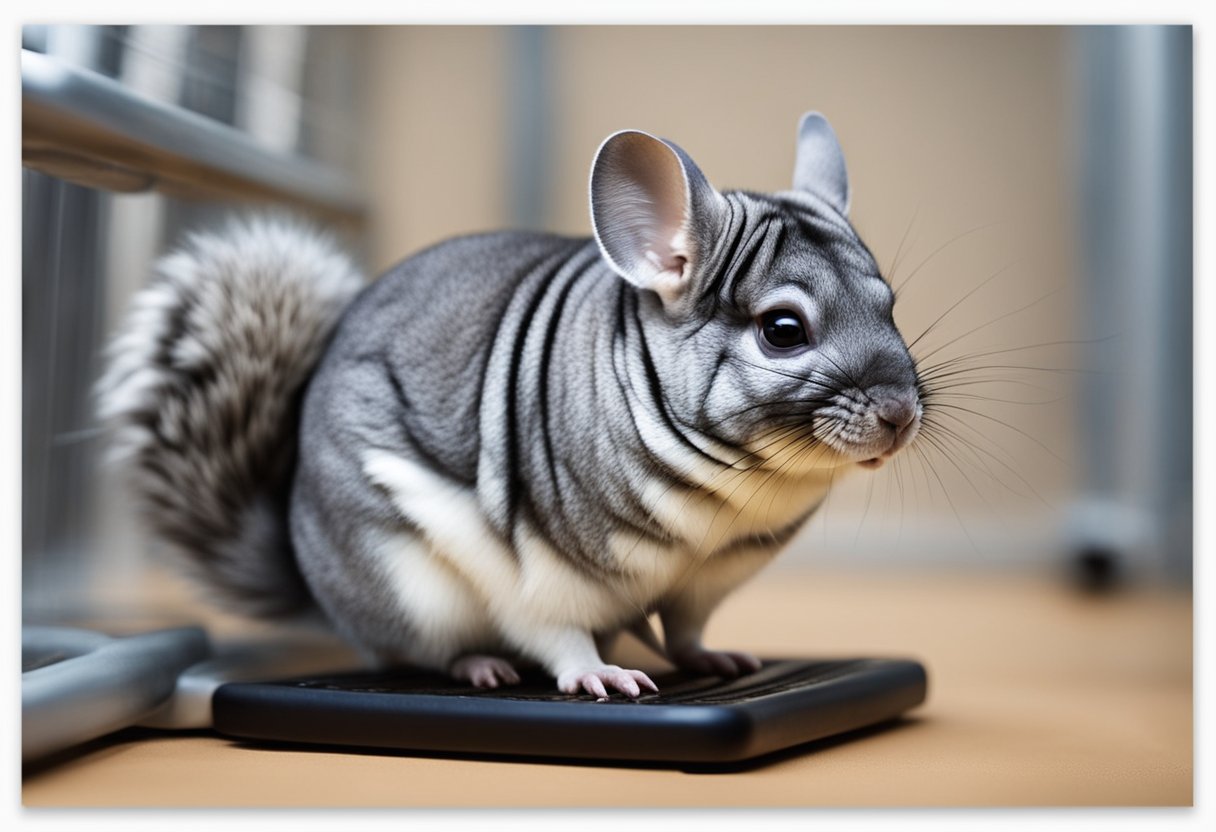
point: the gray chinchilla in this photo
(513, 446)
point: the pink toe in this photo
(644, 680)
(627, 686)
(594, 686)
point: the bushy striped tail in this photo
(203, 388)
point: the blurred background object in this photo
(1027, 190)
(132, 135)
(1135, 182)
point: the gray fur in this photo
(819, 168)
(507, 448)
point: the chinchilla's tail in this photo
(202, 390)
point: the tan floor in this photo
(1038, 697)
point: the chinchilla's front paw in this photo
(597, 680)
(729, 664)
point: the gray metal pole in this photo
(1135, 161)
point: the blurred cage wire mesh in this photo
(132, 134)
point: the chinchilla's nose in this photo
(888, 379)
(897, 409)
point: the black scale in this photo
(693, 719)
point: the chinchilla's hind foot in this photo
(727, 664)
(484, 671)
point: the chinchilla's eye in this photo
(782, 329)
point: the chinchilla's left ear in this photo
(652, 210)
(819, 168)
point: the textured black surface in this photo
(692, 719)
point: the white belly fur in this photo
(458, 585)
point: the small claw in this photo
(644, 680)
(595, 687)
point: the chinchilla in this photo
(513, 446)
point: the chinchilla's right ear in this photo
(819, 168)
(651, 208)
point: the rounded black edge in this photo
(472, 725)
(877, 691)
(646, 733)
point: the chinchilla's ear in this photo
(819, 168)
(650, 207)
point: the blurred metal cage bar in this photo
(530, 125)
(1135, 149)
(132, 134)
(81, 126)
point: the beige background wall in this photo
(958, 141)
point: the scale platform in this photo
(78, 685)
(691, 720)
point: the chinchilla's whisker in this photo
(824, 510)
(961, 365)
(797, 458)
(1002, 422)
(940, 443)
(943, 388)
(898, 471)
(865, 511)
(987, 324)
(912, 344)
(819, 447)
(801, 456)
(953, 508)
(974, 454)
(977, 446)
(833, 388)
(940, 394)
(899, 250)
(937, 251)
(727, 501)
(768, 475)
(1067, 342)
(1009, 465)
(769, 439)
(1026, 367)
(923, 488)
(784, 403)
(772, 438)
(744, 455)
(702, 552)
(848, 376)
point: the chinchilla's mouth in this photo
(873, 452)
(872, 456)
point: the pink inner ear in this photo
(663, 182)
(668, 256)
(640, 211)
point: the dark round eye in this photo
(783, 329)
